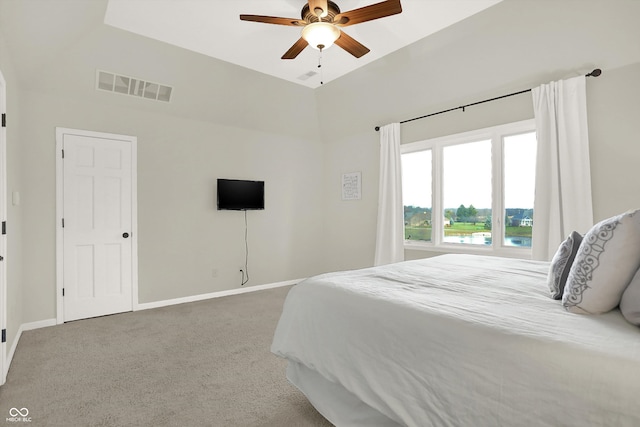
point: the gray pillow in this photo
(607, 260)
(561, 264)
(630, 301)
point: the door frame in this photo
(60, 132)
(3, 240)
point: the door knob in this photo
(125, 235)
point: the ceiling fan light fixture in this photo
(320, 35)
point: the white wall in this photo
(614, 110)
(182, 237)
(223, 121)
(350, 230)
(515, 45)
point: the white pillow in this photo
(607, 260)
(561, 264)
(630, 302)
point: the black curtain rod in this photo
(594, 73)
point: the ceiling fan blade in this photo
(319, 4)
(368, 13)
(351, 45)
(274, 20)
(295, 49)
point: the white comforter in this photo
(462, 340)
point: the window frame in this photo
(496, 134)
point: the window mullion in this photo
(497, 190)
(437, 213)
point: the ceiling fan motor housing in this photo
(310, 16)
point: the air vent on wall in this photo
(133, 86)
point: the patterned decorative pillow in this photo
(607, 260)
(630, 302)
(561, 264)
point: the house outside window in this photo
(453, 186)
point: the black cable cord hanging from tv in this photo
(245, 272)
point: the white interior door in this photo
(98, 236)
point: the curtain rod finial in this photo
(595, 73)
(377, 128)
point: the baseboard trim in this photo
(194, 298)
(24, 327)
(39, 324)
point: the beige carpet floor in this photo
(199, 364)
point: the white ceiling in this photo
(213, 28)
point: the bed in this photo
(456, 340)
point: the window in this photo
(472, 191)
(416, 192)
(519, 152)
(466, 192)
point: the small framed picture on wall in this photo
(352, 186)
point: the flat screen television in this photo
(240, 195)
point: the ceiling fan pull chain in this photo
(320, 66)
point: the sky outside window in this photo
(519, 170)
(416, 179)
(467, 175)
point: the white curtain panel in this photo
(390, 229)
(562, 201)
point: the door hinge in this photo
(4, 120)
(62, 291)
(62, 222)
(4, 335)
(63, 153)
(4, 227)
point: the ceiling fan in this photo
(321, 22)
